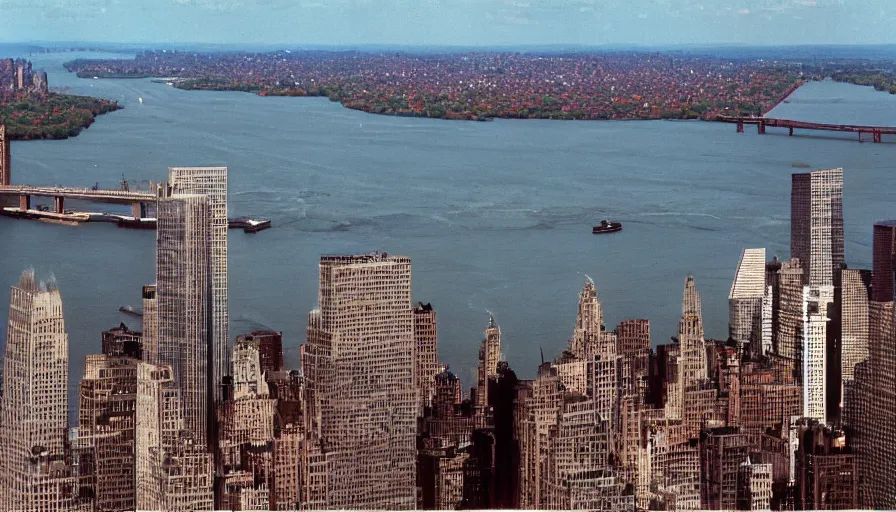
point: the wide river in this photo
(495, 216)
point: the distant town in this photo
(462, 86)
(481, 86)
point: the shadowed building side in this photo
(426, 365)
(884, 244)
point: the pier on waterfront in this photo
(24, 193)
(22, 208)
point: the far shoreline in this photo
(173, 82)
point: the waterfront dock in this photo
(74, 218)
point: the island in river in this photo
(30, 111)
(482, 85)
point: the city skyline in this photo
(373, 420)
(456, 22)
(448, 314)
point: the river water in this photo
(495, 216)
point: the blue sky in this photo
(452, 22)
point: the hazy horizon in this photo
(452, 23)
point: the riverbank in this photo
(783, 97)
(51, 116)
(881, 81)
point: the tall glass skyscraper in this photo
(212, 182)
(184, 301)
(816, 225)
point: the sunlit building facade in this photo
(816, 225)
(361, 401)
(212, 183)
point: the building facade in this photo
(856, 295)
(754, 486)
(816, 301)
(692, 362)
(174, 473)
(489, 355)
(745, 301)
(107, 401)
(884, 258)
(816, 225)
(212, 183)
(361, 401)
(426, 364)
(183, 293)
(34, 470)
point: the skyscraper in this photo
(745, 300)
(790, 324)
(246, 440)
(33, 472)
(856, 294)
(361, 401)
(173, 472)
(122, 342)
(489, 355)
(212, 182)
(106, 429)
(816, 300)
(248, 377)
(722, 451)
(884, 260)
(426, 365)
(5, 164)
(873, 416)
(826, 475)
(816, 225)
(589, 322)
(183, 293)
(692, 364)
(150, 324)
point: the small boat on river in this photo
(606, 226)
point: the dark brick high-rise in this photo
(884, 253)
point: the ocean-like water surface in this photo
(496, 216)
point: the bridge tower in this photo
(5, 166)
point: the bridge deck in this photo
(787, 123)
(102, 196)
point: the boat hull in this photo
(602, 230)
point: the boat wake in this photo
(676, 214)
